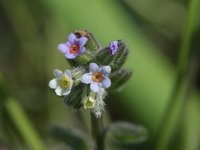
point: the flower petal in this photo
(86, 78)
(106, 83)
(93, 67)
(94, 86)
(59, 91)
(105, 70)
(62, 47)
(66, 92)
(68, 73)
(82, 41)
(68, 44)
(82, 49)
(53, 83)
(57, 73)
(72, 38)
(68, 55)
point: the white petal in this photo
(68, 73)
(86, 78)
(59, 91)
(53, 83)
(66, 92)
(94, 87)
(57, 73)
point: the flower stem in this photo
(97, 131)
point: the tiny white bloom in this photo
(62, 83)
(89, 102)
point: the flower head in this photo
(113, 47)
(97, 77)
(62, 83)
(73, 47)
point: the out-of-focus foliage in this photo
(153, 31)
(124, 135)
(74, 138)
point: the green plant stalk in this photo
(97, 131)
(23, 124)
(187, 36)
(176, 103)
(190, 124)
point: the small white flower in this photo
(62, 83)
(89, 102)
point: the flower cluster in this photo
(95, 71)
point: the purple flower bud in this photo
(113, 47)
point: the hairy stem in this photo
(97, 131)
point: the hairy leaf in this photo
(119, 78)
(72, 137)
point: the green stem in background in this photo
(97, 131)
(179, 92)
(23, 124)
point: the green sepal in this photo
(77, 72)
(92, 44)
(84, 58)
(72, 63)
(121, 134)
(119, 78)
(76, 95)
(72, 137)
(104, 57)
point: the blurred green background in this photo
(163, 38)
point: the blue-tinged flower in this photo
(97, 77)
(113, 47)
(62, 83)
(73, 47)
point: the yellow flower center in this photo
(65, 82)
(97, 77)
(74, 49)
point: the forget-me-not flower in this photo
(73, 47)
(62, 83)
(97, 77)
